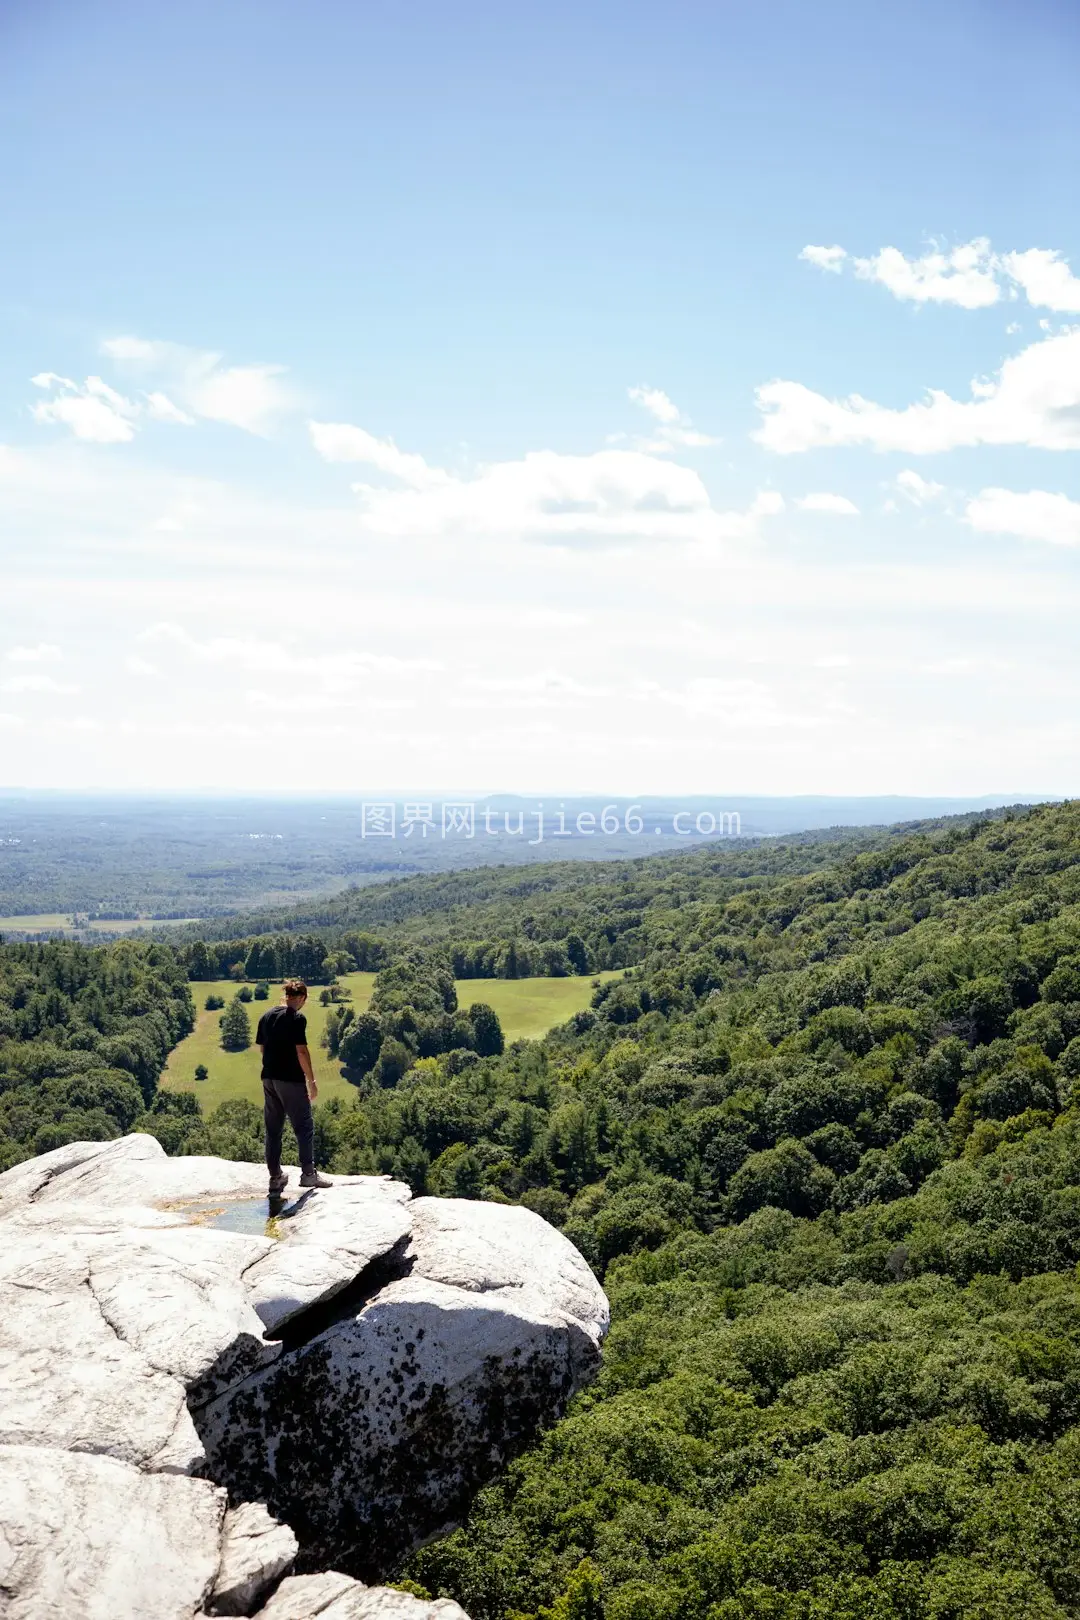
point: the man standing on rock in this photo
(289, 1087)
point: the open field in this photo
(55, 922)
(527, 1009)
(236, 1074)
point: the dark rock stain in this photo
(366, 1464)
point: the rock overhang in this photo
(425, 1332)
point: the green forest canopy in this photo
(822, 1145)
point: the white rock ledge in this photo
(360, 1365)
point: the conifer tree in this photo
(235, 1027)
(487, 1031)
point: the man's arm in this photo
(304, 1057)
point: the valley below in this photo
(804, 1110)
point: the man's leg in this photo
(295, 1098)
(274, 1121)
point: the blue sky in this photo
(481, 393)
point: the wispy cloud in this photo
(915, 488)
(738, 703)
(341, 441)
(45, 652)
(36, 683)
(822, 501)
(674, 429)
(970, 275)
(1034, 514)
(251, 397)
(92, 410)
(1047, 281)
(257, 655)
(198, 386)
(612, 496)
(826, 258)
(1034, 400)
(142, 668)
(656, 402)
(963, 275)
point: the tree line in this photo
(84, 1035)
(319, 961)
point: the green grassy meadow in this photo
(236, 1074)
(527, 1009)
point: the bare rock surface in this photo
(85, 1535)
(360, 1364)
(336, 1597)
(256, 1551)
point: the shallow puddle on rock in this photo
(252, 1217)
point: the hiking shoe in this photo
(312, 1178)
(278, 1184)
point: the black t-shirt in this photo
(280, 1032)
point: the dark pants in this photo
(288, 1099)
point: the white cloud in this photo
(484, 607)
(1046, 279)
(261, 656)
(971, 275)
(307, 704)
(162, 409)
(547, 680)
(770, 503)
(46, 652)
(1033, 514)
(824, 502)
(1035, 400)
(656, 402)
(613, 496)
(964, 275)
(142, 668)
(94, 411)
(737, 703)
(137, 349)
(684, 438)
(248, 397)
(546, 689)
(916, 489)
(676, 430)
(251, 397)
(826, 258)
(341, 441)
(951, 666)
(36, 683)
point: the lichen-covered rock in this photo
(361, 1364)
(379, 1430)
